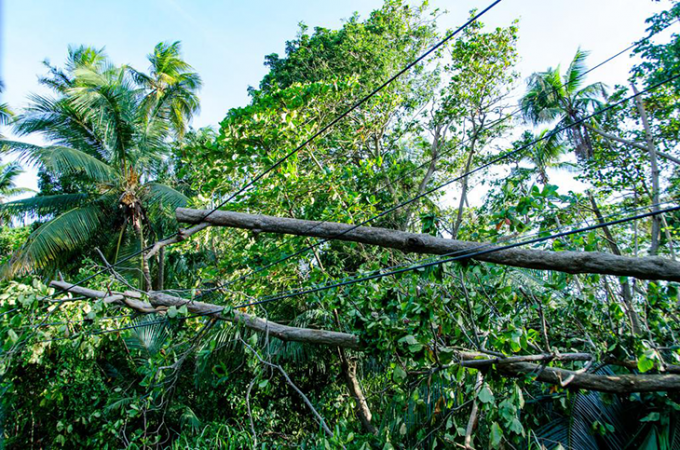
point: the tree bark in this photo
(363, 412)
(616, 384)
(656, 223)
(349, 373)
(511, 366)
(160, 277)
(612, 137)
(626, 291)
(159, 299)
(144, 263)
(652, 268)
(463, 193)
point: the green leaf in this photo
(485, 395)
(516, 426)
(651, 417)
(645, 364)
(172, 312)
(496, 435)
(410, 340)
(12, 335)
(399, 374)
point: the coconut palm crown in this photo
(552, 96)
(109, 129)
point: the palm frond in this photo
(6, 114)
(148, 336)
(62, 124)
(8, 173)
(43, 205)
(573, 77)
(60, 160)
(164, 196)
(190, 419)
(542, 102)
(57, 237)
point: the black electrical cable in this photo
(353, 107)
(317, 134)
(456, 258)
(491, 244)
(458, 178)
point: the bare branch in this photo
(290, 382)
(181, 235)
(159, 301)
(654, 268)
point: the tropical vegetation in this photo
(125, 323)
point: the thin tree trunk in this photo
(349, 373)
(145, 280)
(464, 189)
(434, 150)
(160, 277)
(626, 291)
(611, 137)
(656, 222)
(472, 421)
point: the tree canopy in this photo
(421, 274)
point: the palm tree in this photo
(545, 154)
(6, 113)
(8, 174)
(8, 187)
(171, 86)
(101, 134)
(552, 96)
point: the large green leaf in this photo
(65, 233)
(45, 204)
(60, 160)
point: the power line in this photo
(317, 134)
(419, 167)
(353, 107)
(512, 114)
(456, 258)
(491, 244)
(458, 178)
(427, 262)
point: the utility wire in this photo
(313, 137)
(458, 178)
(492, 244)
(354, 107)
(456, 258)
(493, 124)
(428, 262)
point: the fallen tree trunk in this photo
(273, 329)
(518, 366)
(616, 384)
(514, 366)
(649, 268)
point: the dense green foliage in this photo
(86, 373)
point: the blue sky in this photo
(226, 40)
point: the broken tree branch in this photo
(642, 147)
(519, 366)
(159, 299)
(651, 268)
(181, 235)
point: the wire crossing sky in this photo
(226, 41)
